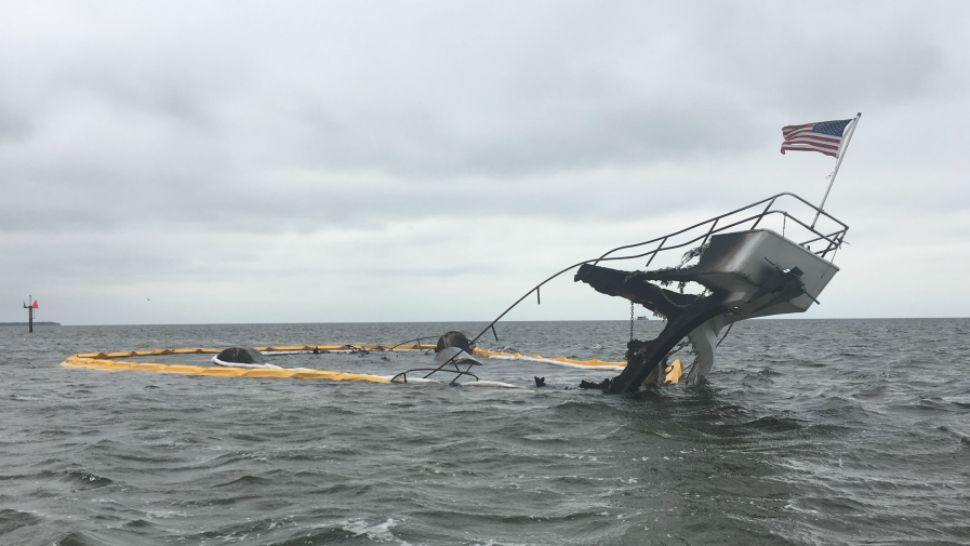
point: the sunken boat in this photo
(771, 257)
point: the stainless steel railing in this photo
(747, 217)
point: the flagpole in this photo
(838, 163)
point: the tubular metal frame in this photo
(833, 240)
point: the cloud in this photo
(178, 145)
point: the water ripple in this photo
(808, 432)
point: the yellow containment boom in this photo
(107, 365)
(107, 361)
(672, 372)
(571, 362)
(112, 362)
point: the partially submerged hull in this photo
(745, 270)
(746, 274)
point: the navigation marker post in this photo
(30, 305)
(842, 150)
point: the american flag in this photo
(824, 137)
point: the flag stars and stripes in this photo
(824, 137)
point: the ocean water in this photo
(807, 432)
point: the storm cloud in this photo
(308, 161)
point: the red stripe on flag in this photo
(805, 148)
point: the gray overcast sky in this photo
(174, 162)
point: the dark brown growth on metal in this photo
(684, 312)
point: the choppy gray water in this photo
(809, 432)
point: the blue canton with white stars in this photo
(834, 128)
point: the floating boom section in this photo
(746, 274)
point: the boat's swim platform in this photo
(117, 362)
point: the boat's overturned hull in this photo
(747, 274)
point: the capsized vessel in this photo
(745, 268)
